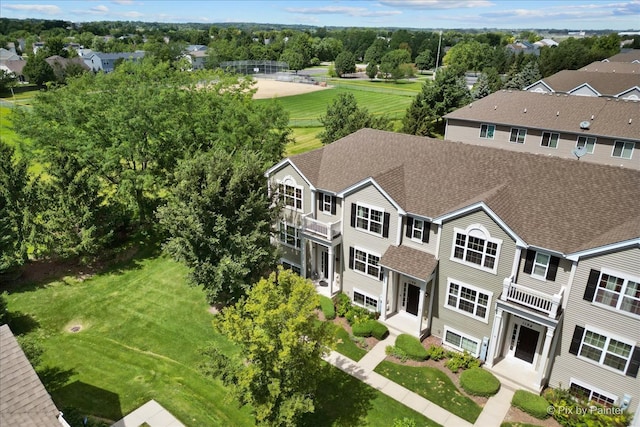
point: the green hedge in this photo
(368, 328)
(479, 382)
(411, 346)
(326, 305)
(531, 403)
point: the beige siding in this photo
(429, 247)
(580, 312)
(469, 132)
(326, 216)
(543, 285)
(288, 170)
(471, 276)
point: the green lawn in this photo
(434, 385)
(347, 347)
(305, 139)
(141, 330)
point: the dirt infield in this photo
(276, 89)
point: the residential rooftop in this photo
(613, 67)
(605, 83)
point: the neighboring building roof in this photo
(630, 56)
(24, 402)
(15, 66)
(412, 262)
(7, 55)
(546, 42)
(605, 83)
(138, 54)
(613, 67)
(64, 62)
(560, 204)
(198, 53)
(555, 112)
(195, 47)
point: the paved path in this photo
(151, 413)
(492, 414)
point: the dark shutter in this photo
(351, 256)
(578, 332)
(385, 225)
(632, 370)
(409, 232)
(592, 283)
(354, 210)
(528, 263)
(381, 273)
(333, 205)
(553, 268)
(320, 197)
(425, 232)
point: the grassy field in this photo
(141, 328)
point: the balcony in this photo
(325, 230)
(539, 301)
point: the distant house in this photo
(586, 83)
(196, 48)
(106, 62)
(196, 58)
(7, 55)
(37, 46)
(24, 402)
(523, 47)
(546, 43)
(59, 64)
(15, 67)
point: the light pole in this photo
(438, 56)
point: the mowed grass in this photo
(141, 329)
(347, 347)
(432, 384)
(305, 139)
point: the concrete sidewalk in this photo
(492, 414)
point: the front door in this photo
(411, 298)
(526, 344)
(324, 263)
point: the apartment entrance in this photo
(410, 298)
(524, 340)
(324, 263)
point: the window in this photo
(291, 195)
(461, 342)
(605, 350)
(487, 131)
(550, 139)
(476, 248)
(364, 300)
(587, 393)
(540, 264)
(468, 300)
(418, 229)
(327, 202)
(517, 135)
(589, 142)
(370, 218)
(365, 262)
(289, 234)
(288, 266)
(623, 149)
(615, 290)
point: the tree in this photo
(218, 219)
(392, 64)
(488, 82)
(7, 80)
(425, 60)
(470, 55)
(281, 345)
(345, 63)
(344, 117)
(294, 59)
(372, 70)
(376, 51)
(37, 71)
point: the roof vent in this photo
(495, 107)
(525, 110)
(592, 117)
(557, 113)
(629, 121)
(585, 125)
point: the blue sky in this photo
(507, 14)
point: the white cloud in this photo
(100, 9)
(436, 4)
(122, 2)
(342, 10)
(47, 9)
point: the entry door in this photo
(526, 344)
(411, 298)
(324, 263)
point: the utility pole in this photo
(438, 56)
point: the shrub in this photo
(396, 352)
(379, 330)
(532, 404)
(479, 382)
(570, 412)
(326, 305)
(343, 304)
(435, 352)
(362, 328)
(359, 341)
(459, 361)
(411, 346)
(357, 314)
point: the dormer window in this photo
(418, 229)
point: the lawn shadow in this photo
(88, 400)
(20, 323)
(341, 400)
(54, 378)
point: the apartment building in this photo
(529, 262)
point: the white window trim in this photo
(624, 276)
(518, 135)
(609, 337)
(624, 143)
(296, 236)
(487, 132)
(586, 138)
(367, 252)
(487, 237)
(367, 230)
(473, 288)
(324, 203)
(550, 139)
(542, 277)
(292, 264)
(290, 181)
(413, 228)
(593, 389)
(460, 349)
(366, 295)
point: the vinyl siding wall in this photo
(543, 285)
(326, 216)
(580, 312)
(288, 170)
(429, 247)
(465, 274)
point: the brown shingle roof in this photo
(24, 402)
(559, 204)
(410, 261)
(554, 112)
(613, 67)
(630, 56)
(607, 84)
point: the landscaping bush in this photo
(379, 330)
(479, 382)
(411, 346)
(396, 352)
(368, 328)
(459, 361)
(357, 314)
(570, 412)
(326, 305)
(532, 404)
(343, 304)
(435, 352)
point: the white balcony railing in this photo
(531, 298)
(327, 230)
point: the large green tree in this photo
(344, 117)
(218, 218)
(281, 344)
(394, 64)
(37, 70)
(345, 63)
